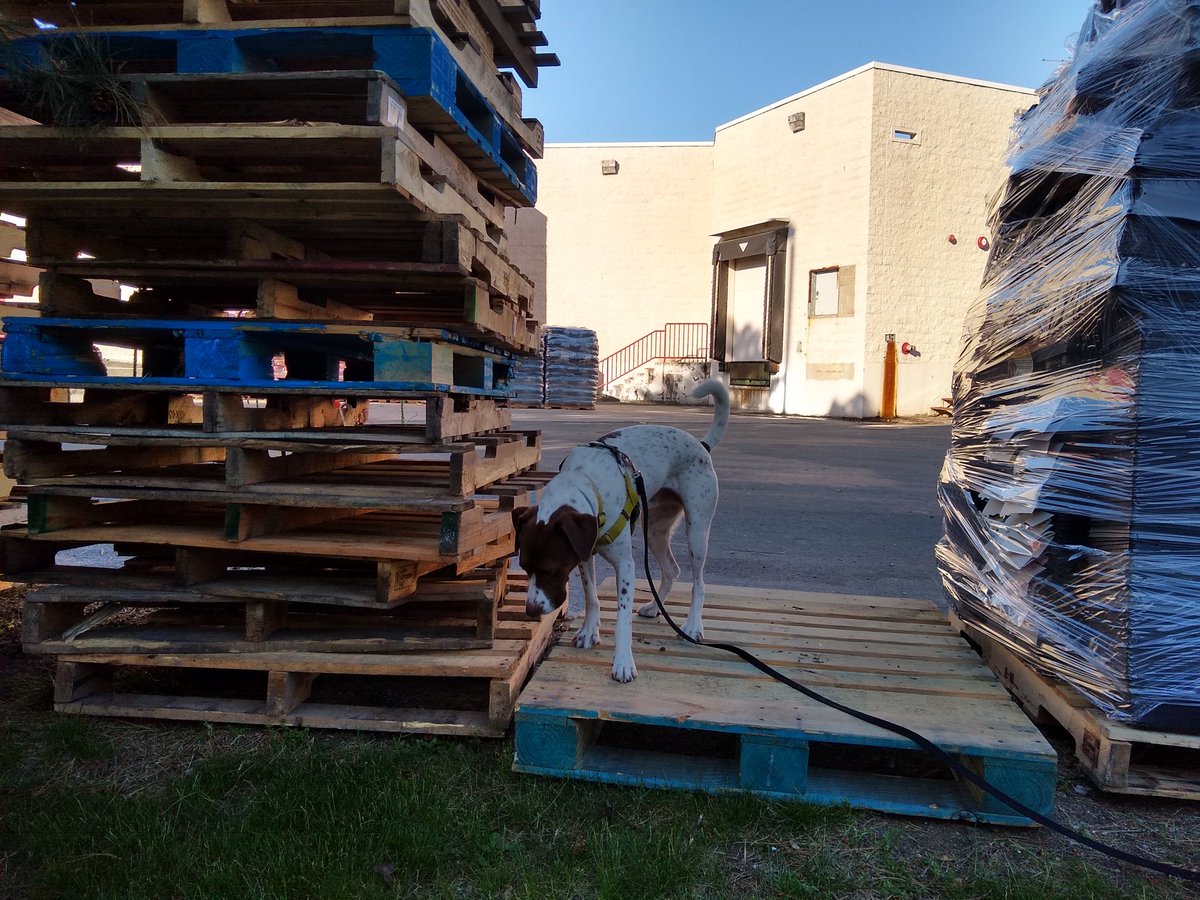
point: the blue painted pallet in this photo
(415, 58)
(244, 353)
(699, 719)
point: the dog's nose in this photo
(533, 609)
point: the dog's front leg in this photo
(624, 668)
(588, 635)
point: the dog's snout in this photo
(534, 609)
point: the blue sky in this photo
(672, 70)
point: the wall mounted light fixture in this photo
(609, 167)
(796, 122)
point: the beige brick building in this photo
(810, 230)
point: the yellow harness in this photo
(628, 513)
(631, 509)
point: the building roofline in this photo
(583, 145)
(887, 67)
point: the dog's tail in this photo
(720, 394)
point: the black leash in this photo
(921, 741)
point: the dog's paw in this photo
(587, 638)
(624, 670)
(694, 630)
(648, 610)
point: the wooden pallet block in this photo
(700, 719)
(465, 692)
(1118, 758)
(442, 614)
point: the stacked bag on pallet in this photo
(1071, 491)
(572, 366)
(527, 378)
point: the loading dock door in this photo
(749, 302)
(747, 295)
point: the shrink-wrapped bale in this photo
(527, 379)
(572, 367)
(1071, 491)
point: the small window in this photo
(831, 292)
(905, 136)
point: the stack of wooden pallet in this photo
(306, 217)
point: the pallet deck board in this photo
(939, 689)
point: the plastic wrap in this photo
(527, 379)
(1071, 491)
(572, 366)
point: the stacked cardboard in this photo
(1071, 491)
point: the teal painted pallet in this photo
(699, 719)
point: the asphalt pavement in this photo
(825, 505)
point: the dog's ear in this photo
(520, 517)
(579, 529)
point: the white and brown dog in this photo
(590, 507)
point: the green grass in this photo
(298, 814)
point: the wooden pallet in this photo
(243, 354)
(471, 42)
(372, 472)
(232, 572)
(1118, 758)
(437, 93)
(700, 719)
(464, 692)
(237, 415)
(348, 97)
(107, 617)
(454, 279)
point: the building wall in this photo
(818, 179)
(526, 228)
(922, 191)
(627, 253)
(632, 251)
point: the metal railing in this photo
(675, 340)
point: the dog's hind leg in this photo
(700, 508)
(588, 634)
(663, 518)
